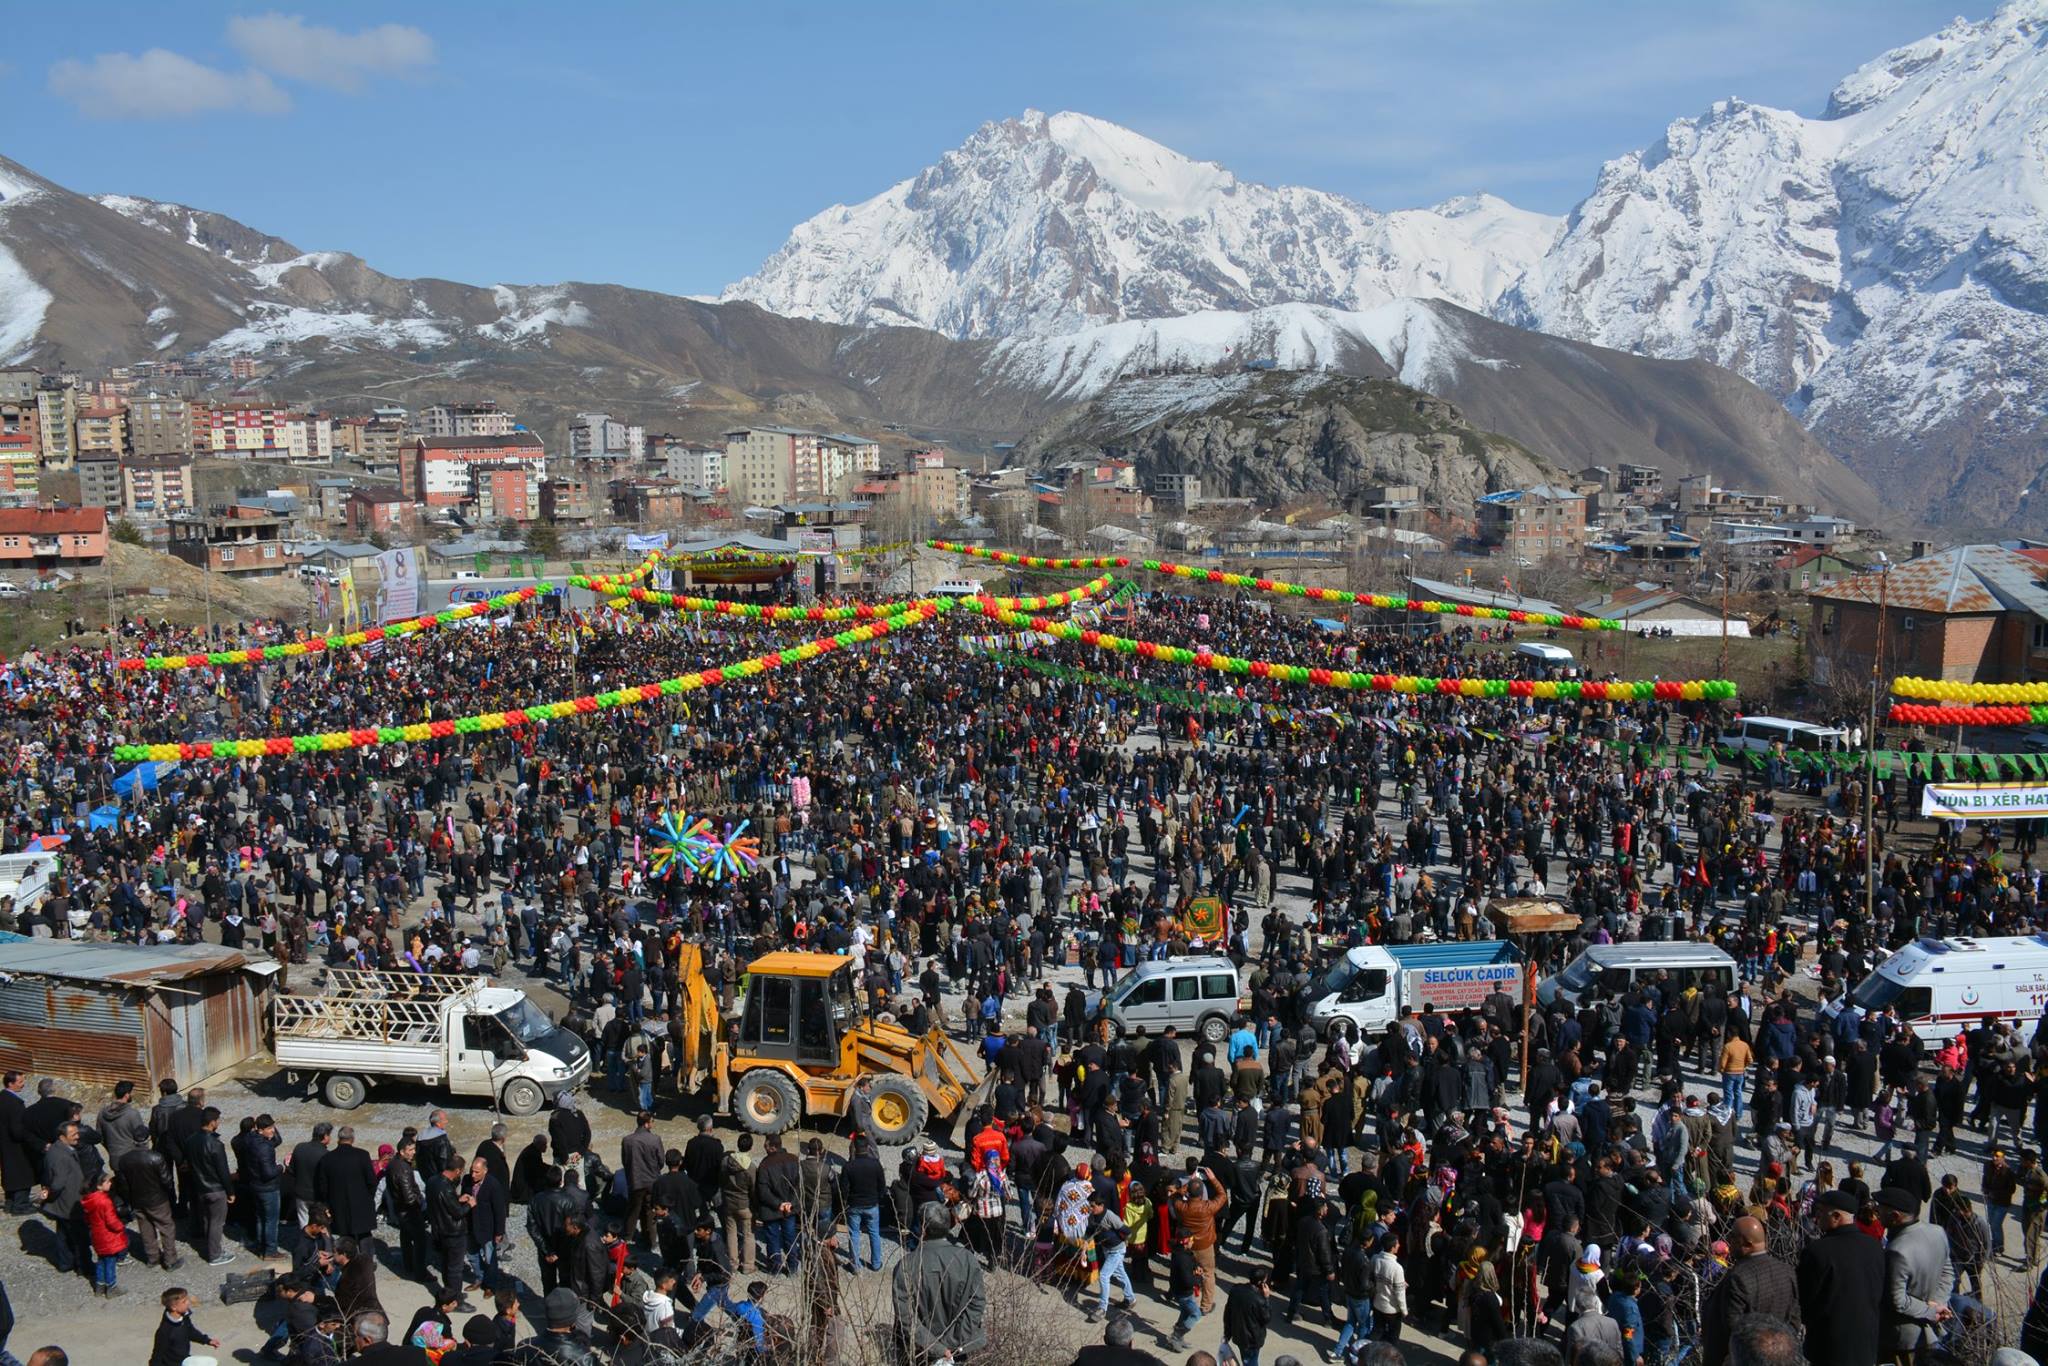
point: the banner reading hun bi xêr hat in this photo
(1984, 801)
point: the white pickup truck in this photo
(439, 1029)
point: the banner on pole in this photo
(1984, 801)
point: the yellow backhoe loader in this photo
(798, 1046)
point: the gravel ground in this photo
(48, 1306)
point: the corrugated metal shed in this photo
(1962, 579)
(110, 1012)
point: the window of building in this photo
(2041, 635)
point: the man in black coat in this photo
(347, 1185)
(304, 1182)
(143, 1176)
(448, 1217)
(1756, 1283)
(490, 1209)
(17, 1164)
(568, 1130)
(1841, 1279)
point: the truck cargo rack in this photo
(394, 1007)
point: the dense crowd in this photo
(963, 831)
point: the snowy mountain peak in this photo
(1142, 171)
(1048, 224)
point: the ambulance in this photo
(1942, 987)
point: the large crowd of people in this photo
(1647, 1177)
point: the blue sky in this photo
(672, 146)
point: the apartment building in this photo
(156, 485)
(57, 422)
(100, 429)
(1535, 523)
(259, 432)
(444, 421)
(772, 465)
(99, 481)
(243, 539)
(20, 471)
(600, 436)
(508, 491)
(159, 425)
(438, 471)
(687, 462)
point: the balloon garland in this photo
(855, 611)
(1920, 714)
(1640, 690)
(396, 630)
(1942, 689)
(363, 737)
(1569, 621)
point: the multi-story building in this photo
(443, 421)
(437, 471)
(241, 539)
(156, 485)
(687, 462)
(159, 425)
(379, 509)
(650, 502)
(567, 498)
(20, 474)
(258, 431)
(99, 481)
(100, 429)
(380, 440)
(508, 491)
(771, 465)
(600, 436)
(19, 386)
(57, 421)
(47, 538)
(1535, 523)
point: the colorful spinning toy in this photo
(736, 853)
(692, 845)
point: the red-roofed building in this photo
(1977, 613)
(47, 538)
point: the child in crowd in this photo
(177, 1333)
(109, 1234)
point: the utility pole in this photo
(1884, 580)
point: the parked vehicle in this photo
(438, 1029)
(1761, 733)
(1195, 995)
(1370, 985)
(1555, 659)
(1610, 969)
(26, 877)
(1943, 987)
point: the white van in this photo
(1195, 995)
(1611, 969)
(1943, 987)
(1761, 733)
(1554, 658)
(26, 878)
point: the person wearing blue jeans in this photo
(267, 1205)
(865, 1221)
(1183, 1287)
(1109, 1232)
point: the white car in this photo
(10, 589)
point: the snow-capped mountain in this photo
(1051, 224)
(1883, 268)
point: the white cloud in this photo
(288, 46)
(161, 85)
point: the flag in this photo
(348, 598)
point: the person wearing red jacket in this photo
(109, 1235)
(992, 1138)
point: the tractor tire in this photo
(766, 1102)
(891, 1110)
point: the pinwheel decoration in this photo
(681, 841)
(736, 852)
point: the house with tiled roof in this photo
(1971, 612)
